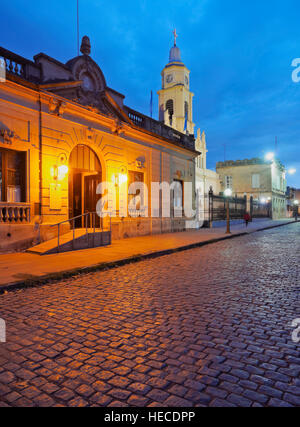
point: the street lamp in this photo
(228, 194)
(296, 207)
(292, 171)
(270, 156)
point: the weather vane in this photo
(175, 36)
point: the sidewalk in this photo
(25, 269)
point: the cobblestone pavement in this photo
(205, 327)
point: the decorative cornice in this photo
(57, 107)
(8, 136)
(117, 128)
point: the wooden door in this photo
(90, 197)
(77, 198)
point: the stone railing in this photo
(137, 119)
(14, 213)
(19, 66)
(159, 128)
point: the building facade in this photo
(293, 201)
(263, 180)
(63, 132)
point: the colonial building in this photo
(176, 110)
(293, 201)
(261, 179)
(63, 131)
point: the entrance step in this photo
(81, 239)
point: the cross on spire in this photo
(175, 36)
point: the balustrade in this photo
(14, 213)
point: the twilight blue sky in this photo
(239, 54)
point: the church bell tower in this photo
(175, 97)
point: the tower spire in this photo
(175, 36)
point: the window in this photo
(255, 180)
(228, 182)
(136, 202)
(87, 82)
(84, 159)
(200, 162)
(278, 182)
(177, 205)
(12, 176)
(170, 108)
(186, 110)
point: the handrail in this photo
(71, 219)
(91, 215)
(15, 204)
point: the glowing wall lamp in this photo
(119, 178)
(122, 178)
(62, 172)
(59, 172)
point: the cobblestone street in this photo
(205, 327)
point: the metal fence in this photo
(259, 209)
(215, 208)
(218, 207)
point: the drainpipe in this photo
(40, 155)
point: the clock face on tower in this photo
(169, 78)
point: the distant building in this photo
(292, 195)
(263, 180)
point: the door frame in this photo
(77, 167)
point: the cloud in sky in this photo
(239, 54)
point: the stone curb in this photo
(54, 277)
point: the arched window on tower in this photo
(186, 110)
(170, 109)
(186, 115)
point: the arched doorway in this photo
(84, 177)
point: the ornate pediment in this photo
(91, 91)
(85, 69)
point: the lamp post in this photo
(228, 194)
(296, 207)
